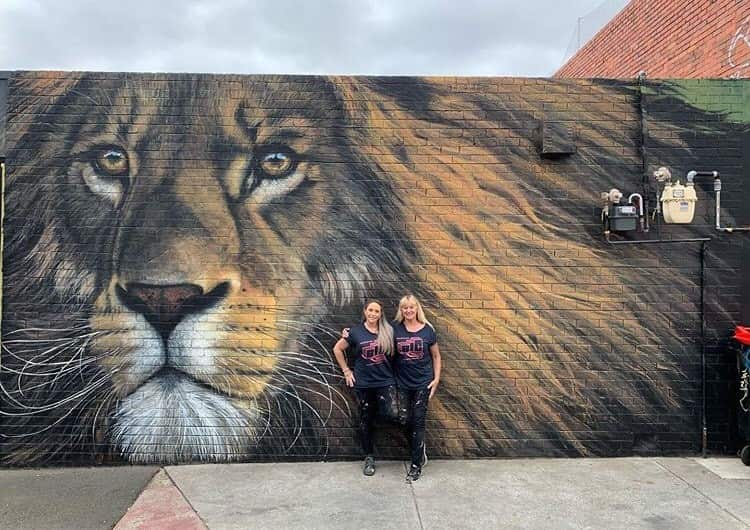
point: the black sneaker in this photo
(414, 473)
(369, 468)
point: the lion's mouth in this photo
(169, 378)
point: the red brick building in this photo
(669, 39)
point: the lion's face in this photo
(196, 241)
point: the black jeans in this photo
(371, 401)
(413, 416)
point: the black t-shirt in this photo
(372, 368)
(413, 358)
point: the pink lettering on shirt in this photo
(411, 348)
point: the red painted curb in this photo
(161, 505)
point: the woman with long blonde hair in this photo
(417, 366)
(372, 378)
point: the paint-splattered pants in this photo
(413, 415)
(383, 400)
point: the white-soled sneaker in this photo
(368, 469)
(414, 473)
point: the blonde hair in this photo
(385, 330)
(411, 299)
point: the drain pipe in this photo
(704, 411)
(703, 241)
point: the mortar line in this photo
(195, 511)
(743, 523)
(414, 499)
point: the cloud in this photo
(387, 37)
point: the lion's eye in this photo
(113, 162)
(273, 172)
(106, 171)
(277, 164)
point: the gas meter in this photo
(678, 202)
(619, 215)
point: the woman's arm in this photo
(338, 351)
(437, 366)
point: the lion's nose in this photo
(164, 306)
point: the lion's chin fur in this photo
(173, 419)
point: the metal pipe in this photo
(2, 243)
(729, 229)
(703, 241)
(717, 201)
(640, 210)
(642, 151)
(655, 241)
(704, 426)
(692, 174)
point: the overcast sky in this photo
(389, 37)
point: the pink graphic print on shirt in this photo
(371, 353)
(412, 348)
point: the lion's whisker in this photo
(307, 333)
(49, 330)
(265, 413)
(300, 401)
(106, 399)
(33, 410)
(332, 332)
(329, 397)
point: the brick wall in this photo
(181, 252)
(669, 39)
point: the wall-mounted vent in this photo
(555, 139)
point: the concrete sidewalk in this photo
(523, 493)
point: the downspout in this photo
(4, 77)
(641, 78)
(703, 241)
(704, 410)
(2, 245)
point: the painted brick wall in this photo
(275, 205)
(669, 39)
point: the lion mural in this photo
(181, 251)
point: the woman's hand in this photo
(338, 352)
(349, 377)
(438, 368)
(433, 387)
(345, 333)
